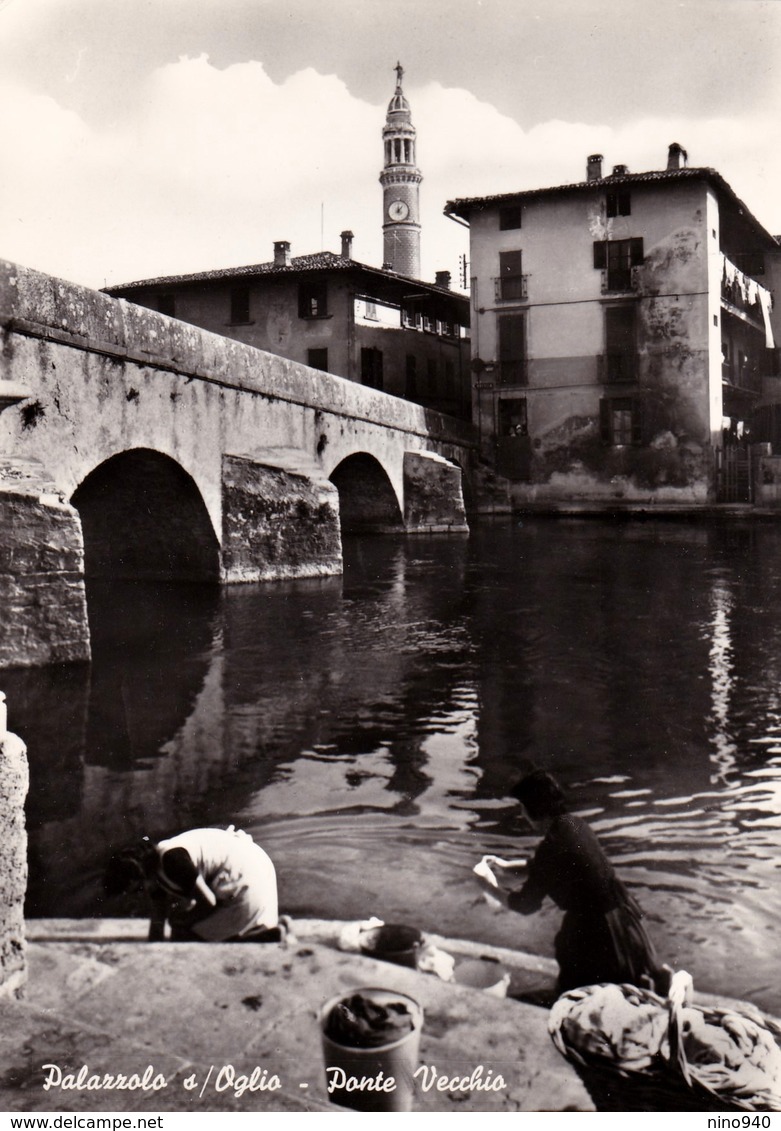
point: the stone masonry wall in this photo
(279, 521)
(42, 597)
(433, 499)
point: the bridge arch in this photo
(143, 518)
(367, 499)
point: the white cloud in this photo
(211, 166)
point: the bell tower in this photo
(400, 180)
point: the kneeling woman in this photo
(602, 937)
(212, 885)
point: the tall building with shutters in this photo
(623, 339)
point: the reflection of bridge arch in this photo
(367, 499)
(143, 517)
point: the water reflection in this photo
(721, 672)
(367, 728)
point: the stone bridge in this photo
(133, 445)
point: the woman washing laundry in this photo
(602, 937)
(211, 885)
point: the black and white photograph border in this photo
(390, 476)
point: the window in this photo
(618, 203)
(620, 421)
(513, 417)
(749, 262)
(432, 377)
(512, 349)
(620, 343)
(511, 275)
(371, 367)
(412, 376)
(411, 318)
(312, 299)
(618, 257)
(509, 217)
(317, 359)
(166, 304)
(239, 304)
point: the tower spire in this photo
(400, 180)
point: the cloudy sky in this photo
(149, 137)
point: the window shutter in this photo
(510, 263)
(638, 429)
(636, 251)
(604, 420)
(600, 254)
(511, 337)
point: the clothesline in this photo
(752, 294)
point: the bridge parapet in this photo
(168, 452)
(42, 306)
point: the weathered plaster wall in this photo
(14, 780)
(273, 324)
(565, 336)
(767, 484)
(673, 464)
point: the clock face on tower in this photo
(398, 210)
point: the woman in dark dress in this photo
(602, 937)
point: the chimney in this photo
(442, 279)
(347, 244)
(594, 167)
(620, 170)
(676, 156)
(281, 253)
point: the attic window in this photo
(239, 304)
(313, 299)
(509, 218)
(618, 203)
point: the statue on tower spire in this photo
(399, 72)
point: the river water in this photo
(366, 729)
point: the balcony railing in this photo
(746, 375)
(511, 288)
(619, 280)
